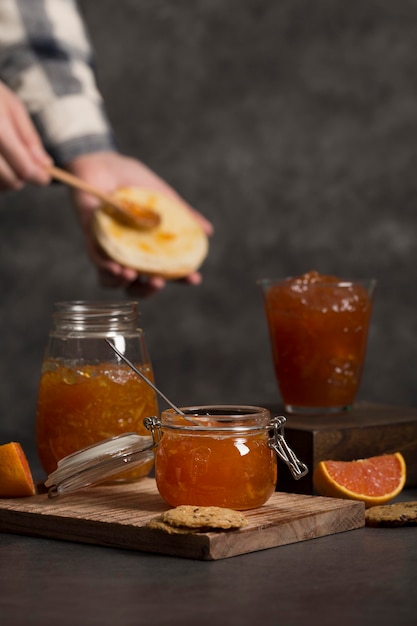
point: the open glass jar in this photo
(219, 455)
(86, 392)
(205, 456)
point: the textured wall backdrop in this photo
(292, 125)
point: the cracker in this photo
(204, 517)
(392, 515)
(157, 523)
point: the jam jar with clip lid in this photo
(86, 392)
(222, 456)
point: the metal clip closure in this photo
(278, 443)
(154, 425)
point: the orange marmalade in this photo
(318, 327)
(79, 406)
(215, 457)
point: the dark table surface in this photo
(365, 576)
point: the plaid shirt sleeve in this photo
(46, 59)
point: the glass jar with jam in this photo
(318, 326)
(87, 393)
(219, 455)
(205, 456)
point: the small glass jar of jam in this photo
(87, 393)
(219, 455)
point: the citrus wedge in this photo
(375, 480)
(15, 476)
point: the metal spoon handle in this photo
(142, 375)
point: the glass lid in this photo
(99, 462)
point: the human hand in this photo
(22, 156)
(108, 171)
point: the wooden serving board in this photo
(116, 516)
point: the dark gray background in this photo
(292, 125)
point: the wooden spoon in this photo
(128, 212)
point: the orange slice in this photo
(374, 481)
(15, 476)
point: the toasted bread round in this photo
(173, 249)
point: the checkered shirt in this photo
(46, 59)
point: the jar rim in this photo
(215, 417)
(96, 306)
(369, 283)
(90, 315)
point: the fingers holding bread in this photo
(174, 249)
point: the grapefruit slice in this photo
(374, 481)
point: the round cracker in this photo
(214, 517)
(174, 249)
(157, 523)
(397, 514)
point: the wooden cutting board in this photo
(116, 516)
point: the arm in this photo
(55, 79)
(22, 156)
(46, 60)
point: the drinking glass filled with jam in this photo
(86, 392)
(318, 328)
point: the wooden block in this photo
(367, 430)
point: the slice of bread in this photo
(175, 248)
